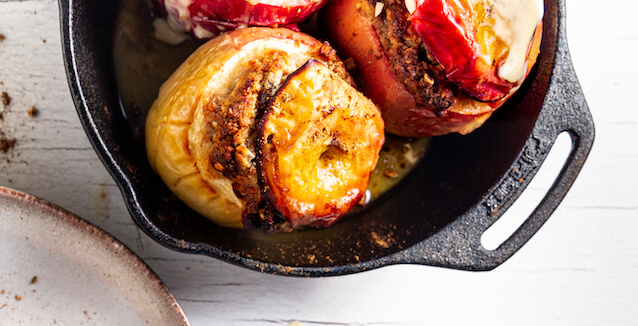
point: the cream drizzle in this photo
(515, 22)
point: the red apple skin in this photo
(355, 37)
(447, 31)
(216, 16)
(261, 13)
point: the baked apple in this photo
(208, 18)
(208, 132)
(406, 75)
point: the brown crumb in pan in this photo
(390, 173)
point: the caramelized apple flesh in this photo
(319, 141)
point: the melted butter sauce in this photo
(397, 158)
(142, 63)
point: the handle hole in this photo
(523, 207)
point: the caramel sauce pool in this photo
(142, 63)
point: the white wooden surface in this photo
(580, 269)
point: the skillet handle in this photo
(564, 110)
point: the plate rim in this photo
(112, 244)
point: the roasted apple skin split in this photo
(319, 141)
(202, 131)
(350, 25)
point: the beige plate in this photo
(58, 269)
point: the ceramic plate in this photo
(58, 269)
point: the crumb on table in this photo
(33, 112)
(6, 99)
(6, 143)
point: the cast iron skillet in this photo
(434, 217)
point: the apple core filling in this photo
(410, 59)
